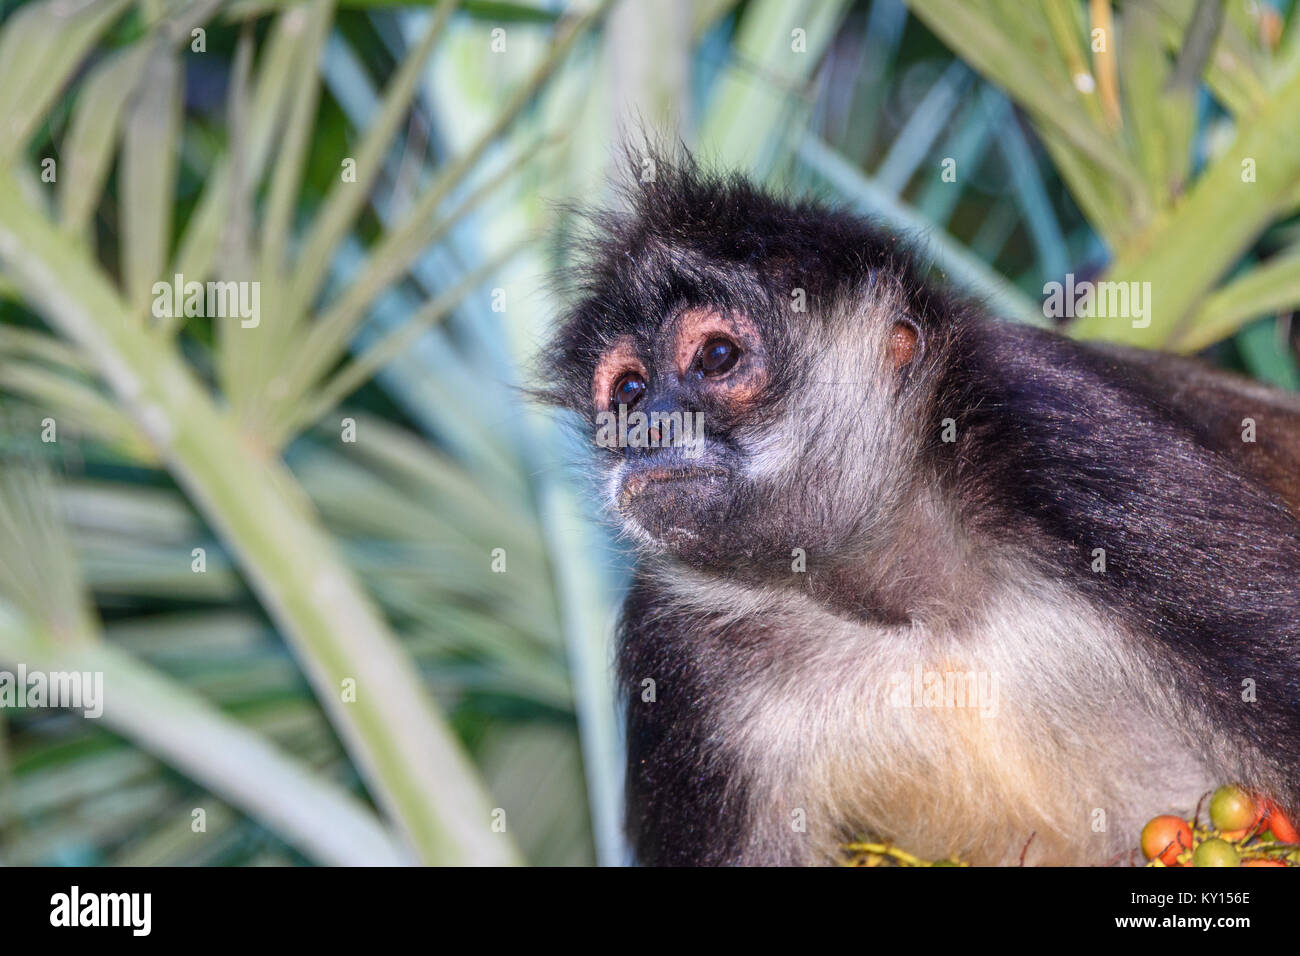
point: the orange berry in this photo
(1165, 837)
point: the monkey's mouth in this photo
(674, 503)
(640, 481)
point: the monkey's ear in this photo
(905, 343)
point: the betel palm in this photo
(1125, 103)
(216, 401)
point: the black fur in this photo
(1078, 450)
(683, 809)
(693, 238)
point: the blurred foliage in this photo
(409, 301)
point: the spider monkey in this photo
(927, 576)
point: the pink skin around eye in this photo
(697, 326)
(619, 359)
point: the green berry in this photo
(1216, 852)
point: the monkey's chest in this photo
(964, 745)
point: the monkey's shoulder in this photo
(1255, 425)
(1135, 410)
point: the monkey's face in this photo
(728, 439)
(676, 410)
(741, 362)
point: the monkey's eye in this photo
(628, 389)
(718, 356)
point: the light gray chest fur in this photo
(1026, 717)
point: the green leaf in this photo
(1267, 354)
(91, 144)
(976, 31)
(347, 198)
(1262, 290)
(40, 48)
(414, 765)
(148, 178)
(1174, 255)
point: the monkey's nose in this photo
(663, 423)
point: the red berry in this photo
(1282, 828)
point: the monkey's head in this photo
(752, 370)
